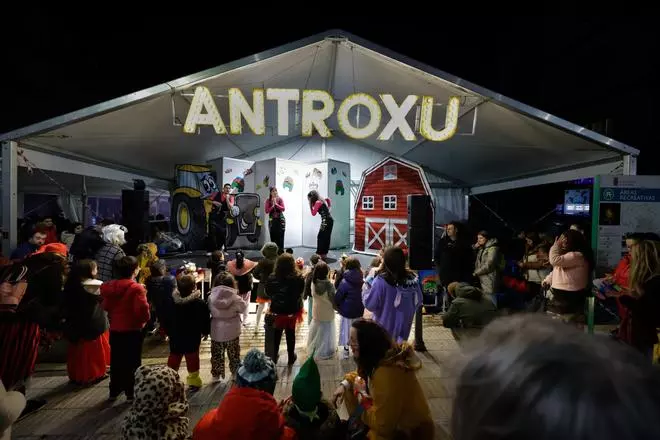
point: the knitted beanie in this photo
(256, 371)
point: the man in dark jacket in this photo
(453, 256)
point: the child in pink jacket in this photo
(571, 263)
(227, 308)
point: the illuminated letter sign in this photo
(317, 107)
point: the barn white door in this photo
(382, 232)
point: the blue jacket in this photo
(349, 295)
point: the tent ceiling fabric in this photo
(506, 143)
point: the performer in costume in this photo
(222, 205)
(276, 223)
(322, 207)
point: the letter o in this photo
(374, 116)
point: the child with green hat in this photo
(306, 411)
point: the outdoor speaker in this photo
(135, 216)
(420, 232)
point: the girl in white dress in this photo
(322, 337)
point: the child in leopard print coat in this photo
(160, 407)
(227, 307)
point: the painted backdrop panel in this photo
(290, 176)
(316, 178)
(339, 191)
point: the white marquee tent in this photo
(500, 143)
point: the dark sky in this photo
(582, 69)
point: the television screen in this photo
(576, 202)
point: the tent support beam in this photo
(560, 175)
(9, 197)
(629, 165)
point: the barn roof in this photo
(400, 161)
(498, 139)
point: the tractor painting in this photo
(191, 204)
(245, 221)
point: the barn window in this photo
(389, 203)
(389, 172)
(368, 202)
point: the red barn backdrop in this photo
(381, 205)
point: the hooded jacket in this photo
(470, 309)
(323, 309)
(265, 267)
(160, 409)
(126, 304)
(191, 321)
(349, 295)
(285, 294)
(488, 266)
(246, 414)
(226, 311)
(85, 318)
(399, 407)
(393, 307)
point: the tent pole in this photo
(9, 197)
(83, 202)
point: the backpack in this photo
(12, 288)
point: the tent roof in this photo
(499, 139)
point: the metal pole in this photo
(9, 196)
(419, 336)
(83, 202)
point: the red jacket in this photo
(622, 272)
(245, 414)
(126, 304)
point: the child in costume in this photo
(306, 411)
(322, 336)
(248, 411)
(191, 321)
(160, 409)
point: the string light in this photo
(315, 118)
(451, 120)
(239, 108)
(374, 116)
(203, 101)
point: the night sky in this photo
(584, 70)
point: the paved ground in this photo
(85, 413)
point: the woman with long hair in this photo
(86, 325)
(639, 328)
(276, 222)
(393, 295)
(241, 269)
(322, 333)
(572, 263)
(322, 207)
(285, 288)
(385, 386)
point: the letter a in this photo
(203, 101)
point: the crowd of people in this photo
(103, 302)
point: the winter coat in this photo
(265, 267)
(86, 244)
(323, 309)
(105, 260)
(645, 315)
(488, 266)
(246, 414)
(454, 261)
(226, 308)
(160, 292)
(216, 267)
(326, 427)
(393, 307)
(243, 275)
(570, 271)
(470, 309)
(348, 298)
(23, 250)
(399, 407)
(285, 294)
(126, 304)
(191, 321)
(84, 316)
